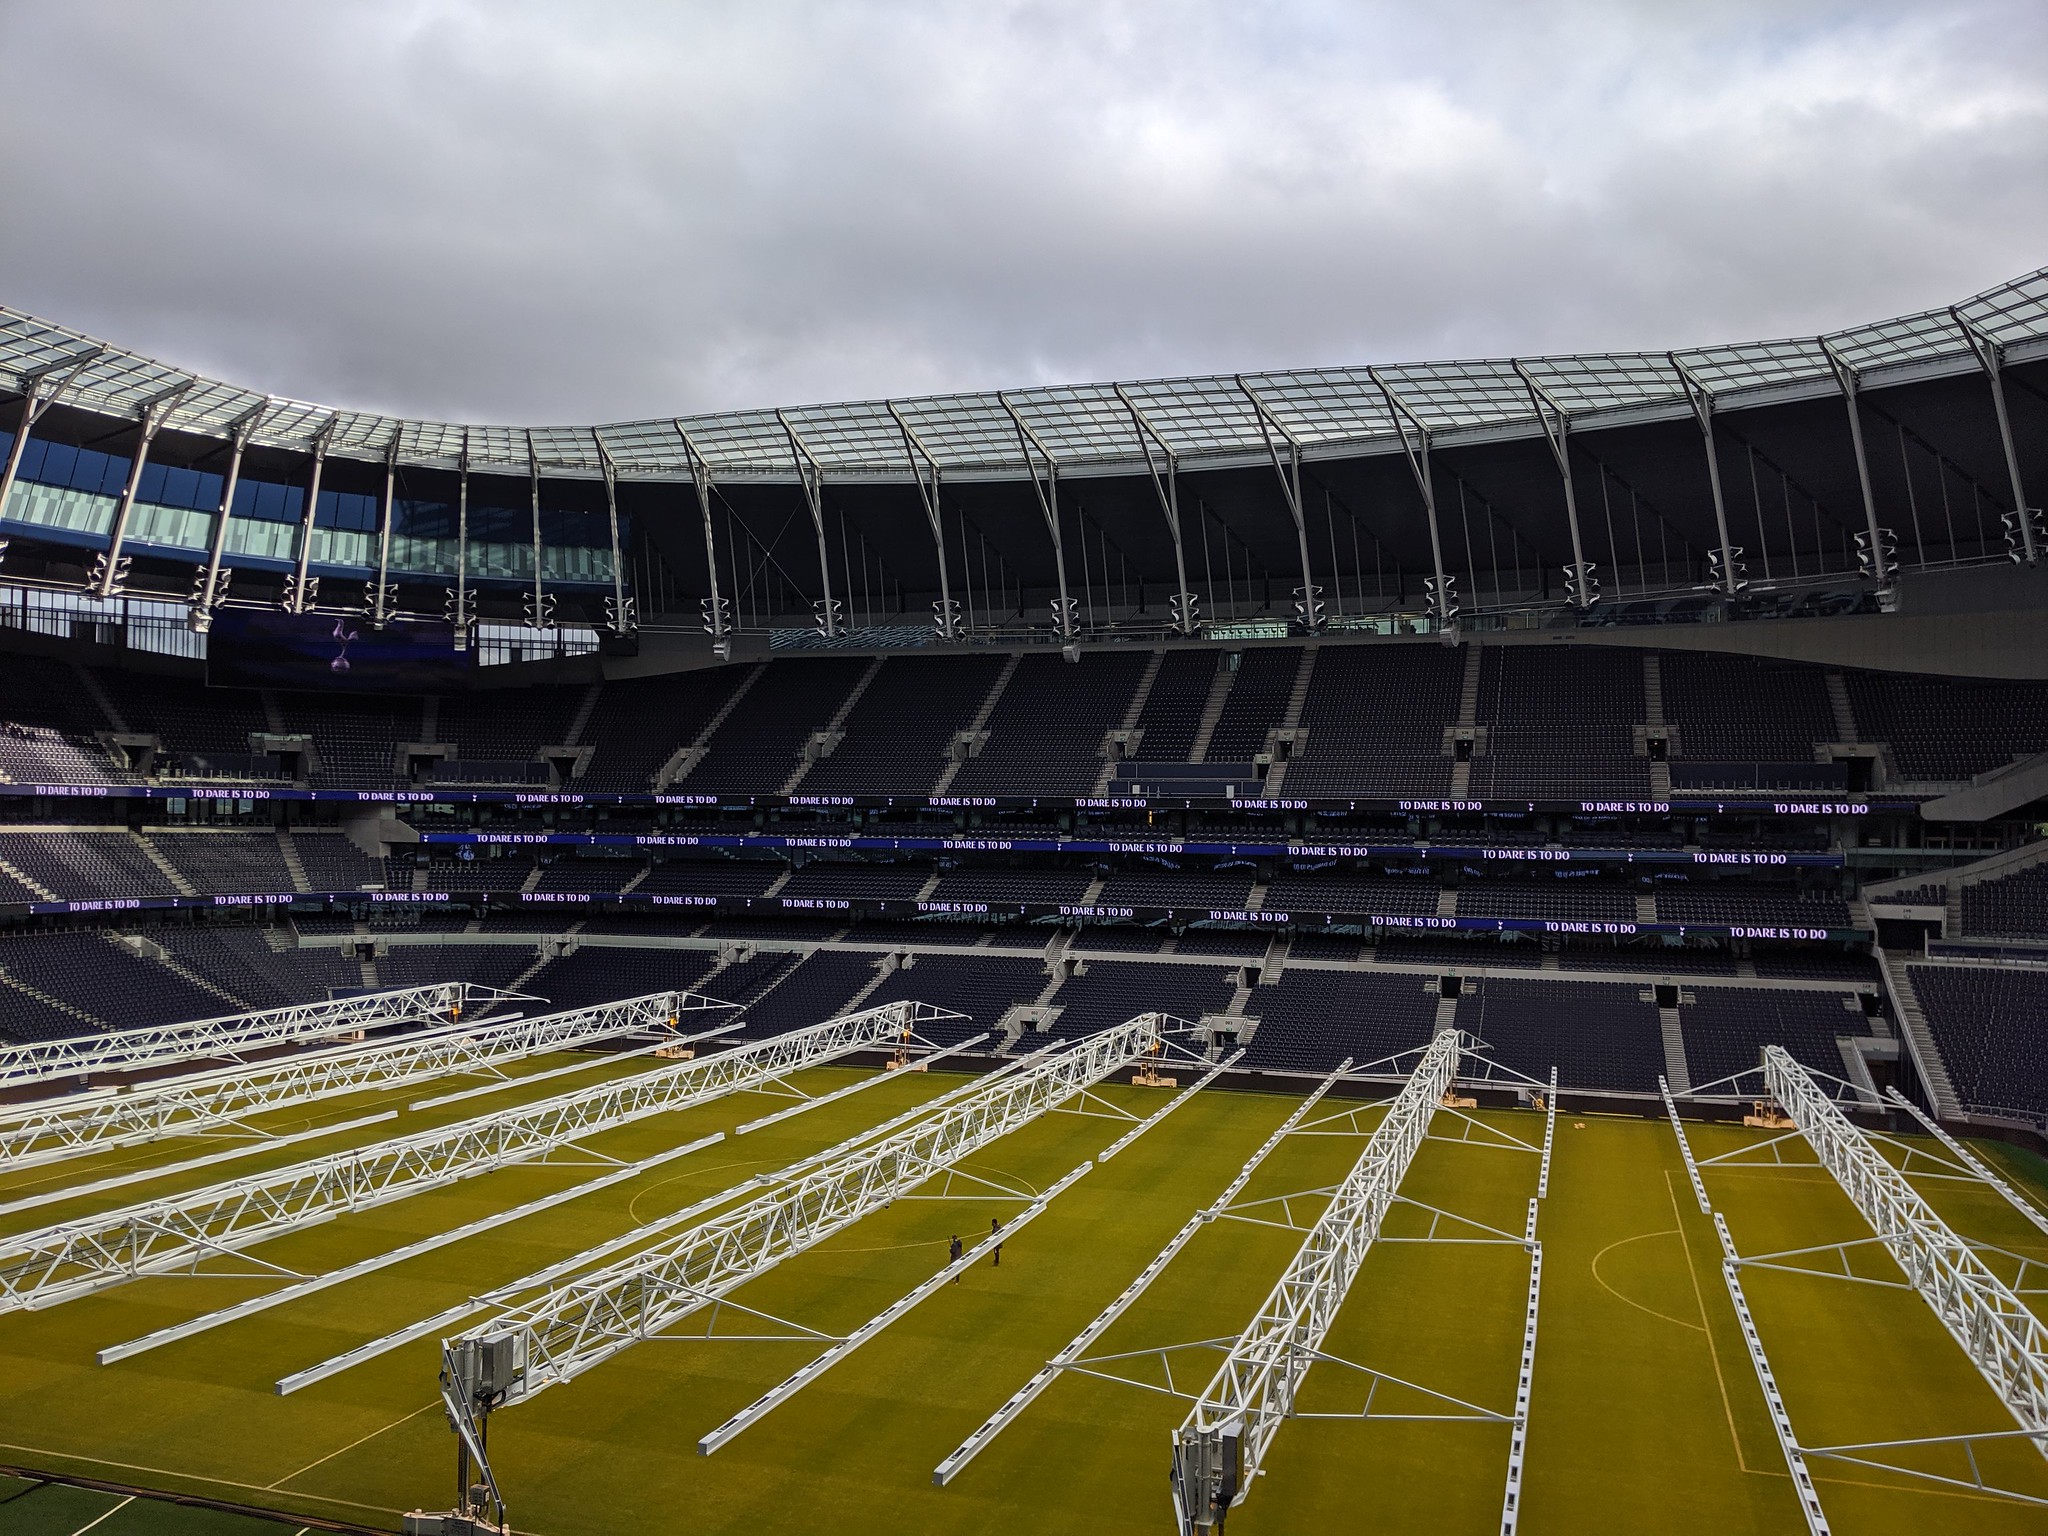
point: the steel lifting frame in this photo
(1070, 1356)
(2003, 1339)
(43, 1268)
(838, 1348)
(162, 1044)
(513, 1291)
(574, 1327)
(1218, 1448)
(47, 1130)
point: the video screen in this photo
(253, 648)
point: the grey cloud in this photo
(525, 212)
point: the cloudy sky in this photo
(593, 211)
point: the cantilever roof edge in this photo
(1089, 428)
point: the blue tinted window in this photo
(500, 525)
(423, 519)
(59, 460)
(583, 527)
(346, 509)
(268, 502)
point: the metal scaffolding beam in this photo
(51, 1129)
(571, 1328)
(2005, 1341)
(1219, 1447)
(43, 1268)
(639, 1236)
(161, 1045)
(1027, 1394)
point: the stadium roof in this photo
(1211, 421)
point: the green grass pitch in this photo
(1645, 1415)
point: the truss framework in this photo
(2004, 1340)
(39, 1269)
(1219, 1446)
(162, 1044)
(513, 1291)
(1892, 1200)
(1025, 1395)
(49, 1130)
(299, 1285)
(563, 1333)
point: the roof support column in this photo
(1308, 598)
(381, 593)
(924, 469)
(1876, 557)
(1729, 575)
(300, 588)
(41, 387)
(1167, 488)
(461, 601)
(1442, 600)
(540, 609)
(717, 615)
(111, 565)
(619, 606)
(810, 475)
(210, 588)
(1047, 488)
(1579, 581)
(2024, 536)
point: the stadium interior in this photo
(1667, 733)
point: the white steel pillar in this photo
(1046, 487)
(1556, 422)
(1879, 564)
(1309, 600)
(209, 589)
(619, 607)
(1729, 577)
(1442, 601)
(110, 565)
(810, 475)
(381, 593)
(717, 609)
(300, 588)
(924, 469)
(1167, 488)
(1990, 353)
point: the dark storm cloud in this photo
(565, 213)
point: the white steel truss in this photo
(160, 1045)
(839, 1348)
(1900, 1221)
(2004, 1340)
(50, 1129)
(42, 1268)
(511, 1292)
(573, 1327)
(1219, 1446)
(305, 1285)
(1025, 1395)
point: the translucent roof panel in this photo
(1077, 424)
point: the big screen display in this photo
(256, 648)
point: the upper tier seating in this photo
(637, 726)
(1045, 735)
(1112, 991)
(897, 734)
(1255, 705)
(1375, 717)
(758, 746)
(1173, 709)
(1742, 709)
(1950, 728)
(1560, 723)
(1988, 1023)
(237, 863)
(2012, 907)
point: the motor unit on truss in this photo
(1208, 1471)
